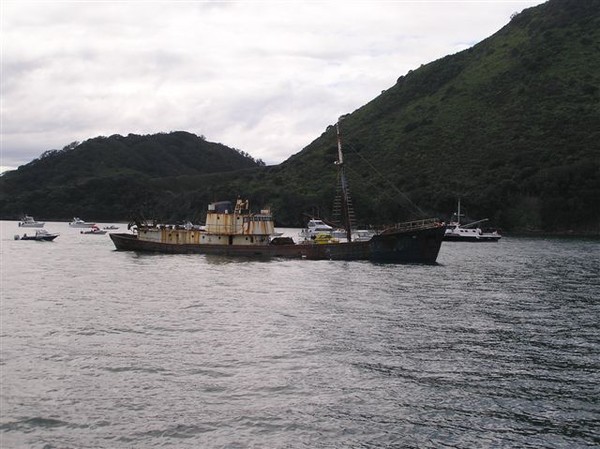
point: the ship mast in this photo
(346, 208)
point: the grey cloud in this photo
(265, 77)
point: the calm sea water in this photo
(497, 346)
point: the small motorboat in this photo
(94, 230)
(79, 223)
(28, 222)
(110, 227)
(315, 227)
(41, 235)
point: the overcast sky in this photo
(266, 77)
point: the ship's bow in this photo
(124, 242)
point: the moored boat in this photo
(234, 230)
(41, 235)
(315, 227)
(28, 222)
(464, 234)
(79, 223)
(239, 235)
(457, 232)
(318, 229)
(95, 230)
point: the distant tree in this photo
(48, 153)
(71, 146)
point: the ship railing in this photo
(426, 223)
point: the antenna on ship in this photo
(347, 213)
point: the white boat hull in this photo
(37, 224)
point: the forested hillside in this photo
(511, 126)
(108, 177)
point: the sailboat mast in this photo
(344, 184)
(340, 160)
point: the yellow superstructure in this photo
(225, 225)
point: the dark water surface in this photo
(497, 346)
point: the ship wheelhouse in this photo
(237, 225)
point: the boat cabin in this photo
(236, 225)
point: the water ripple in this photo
(497, 346)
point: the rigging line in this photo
(385, 193)
(388, 181)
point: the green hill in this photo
(107, 177)
(511, 126)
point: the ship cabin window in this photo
(258, 218)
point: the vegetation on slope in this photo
(511, 126)
(107, 177)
